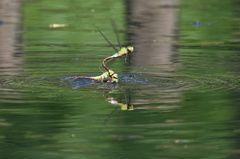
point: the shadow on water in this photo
(177, 97)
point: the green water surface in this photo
(191, 114)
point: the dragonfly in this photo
(109, 75)
(106, 77)
(122, 51)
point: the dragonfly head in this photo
(114, 77)
(130, 49)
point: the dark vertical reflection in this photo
(10, 53)
(153, 26)
(10, 60)
(152, 29)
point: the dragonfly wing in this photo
(108, 41)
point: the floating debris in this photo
(58, 25)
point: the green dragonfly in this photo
(108, 75)
(122, 51)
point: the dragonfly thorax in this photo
(125, 50)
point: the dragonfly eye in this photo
(114, 76)
(130, 49)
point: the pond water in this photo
(178, 95)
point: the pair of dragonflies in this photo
(109, 75)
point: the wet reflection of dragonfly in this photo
(119, 104)
(110, 97)
(109, 75)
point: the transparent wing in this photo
(108, 41)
